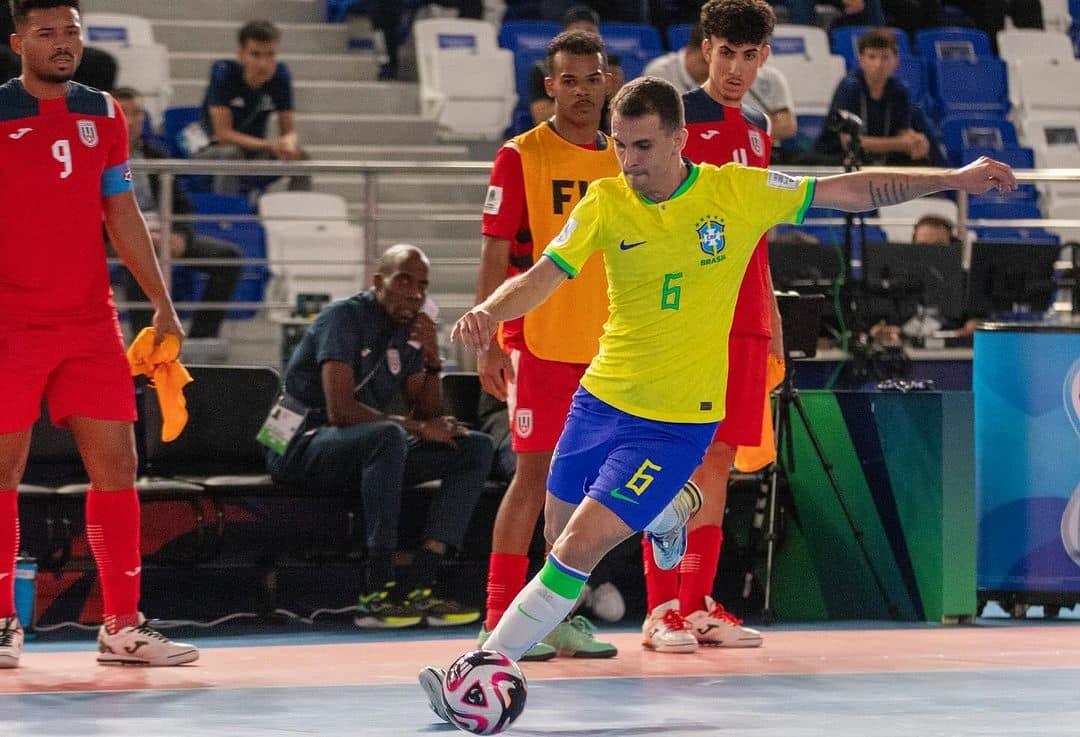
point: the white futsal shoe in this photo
(665, 630)
(141, 645)
(11, 642)
(431, 680)
(715, 626)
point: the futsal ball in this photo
(484, 692)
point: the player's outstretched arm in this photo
(128, 233)
(513, 299)
(869, 190)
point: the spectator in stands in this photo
(389, 17)
(183, 243)
(882, 103)
(933, 230)
(239, 100)
(365, 380)
(860, 12)
(685, 68)
(537, 179)
(494, 419)
(541, 104)
(913, 15)
(989, 15)
(9, 60)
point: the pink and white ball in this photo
(484, 692)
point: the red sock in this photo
(112, 527)
(506, 577)
(660, 586)
(698, 567)
(9, 548)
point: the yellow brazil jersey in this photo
(673, 271)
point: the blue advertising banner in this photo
(1027, 458)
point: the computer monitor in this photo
(1011, 278)
(803, 267)
(902, 276)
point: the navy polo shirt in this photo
(251, 108)
(886, 116)
(357, 331)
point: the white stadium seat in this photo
(812, 81)
(332, 248)
(1048, 88)
(146, 69)
(116, 29)
(911, 212)
(1031, 46)
(805, 42)
(466, 80)
(1056, 143)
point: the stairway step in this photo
(235, 11)
(386, 152)
(325, 128)
(325, 97)
(343, 67)
(296, 38)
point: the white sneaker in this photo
(665, 630)
(141, 645)
(11, 642)
(431, 680)
(606, 602)
(715, 626)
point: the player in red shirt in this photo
(682, 612)
(64, 170)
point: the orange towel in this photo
(750, 459)
(167, 375)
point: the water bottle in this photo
(25, 591)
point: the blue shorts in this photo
(631, 465)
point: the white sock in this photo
(537, 609)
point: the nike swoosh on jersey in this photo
(19, 133)
(627, 246)
(619, 495)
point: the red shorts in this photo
(80, 368)
(539, 400)
(744, 406)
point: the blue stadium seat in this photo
(337, 10)
(524, 60)
(970, 89)
(249, 237)
(959, 44)
(845, 42)
(678, 35)
(999, 208)
(527, 35)
(806, 135)
(912, 72)
(1016, 235)
(989, 134)
(174, 120)
(635, 44)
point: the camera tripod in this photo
(801, 315)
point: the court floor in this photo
(1004, 679)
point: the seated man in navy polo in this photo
(239, 101)
(365, 380)
(882, 102)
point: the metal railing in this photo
(370, 216)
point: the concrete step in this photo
(317, 67)
(296, 38)
(449, 194)
(454, 249)
(385, 152)
(431, 226)
(236, 11)
(325, 97)
(323, 128)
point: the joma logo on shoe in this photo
(132, 649)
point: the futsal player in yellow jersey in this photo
(676, 238)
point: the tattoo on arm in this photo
(890, 191)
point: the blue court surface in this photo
(994, 678)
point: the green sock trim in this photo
(562, 583)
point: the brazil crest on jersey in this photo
(673, 271)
